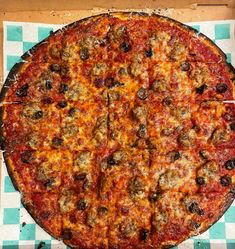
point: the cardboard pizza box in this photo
(67, 11)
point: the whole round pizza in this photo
(119, 131)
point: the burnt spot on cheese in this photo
(55, 67)
(225, 180)
(232, 126)
(66, 234)
(148, 53)
(82, 205)
(84, 53)
(200, 180)
(57, 142)
(142, 131)
(230, 164)
(144, 234)
(22, 91)
(139, 113)
(63, 88)
(221, 88)
(82, 160)
(26, 156)
(102, 211)
(37, 115)
(201, 89)
(174, 155)
(127, 228)
(125, 46)
(219, 136)
(185, 66)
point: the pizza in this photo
(119, 132)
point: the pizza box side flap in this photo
(27, 5)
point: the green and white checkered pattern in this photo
(14, 233)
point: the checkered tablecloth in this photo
(17, 228)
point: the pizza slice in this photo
(187, 215)
(124, 175)
(30, 125)
(81, 129)
(173, 41)
(218, 129)
(81, 170)
(84, 219)
(34, 171)
(173, 171)
(43, 207)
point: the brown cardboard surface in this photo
(19, 5)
